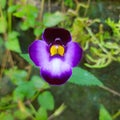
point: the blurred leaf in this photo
(2, 3)
(50, 20)
(20, 13)
(27, 58)
(13, 8)
(46, 100)
(83, 77)
(6, 116)
(38, 31)
(17, 76)
(27, 89)
(69, 3)
(24, 90)
(39, 83)
(25, 25)
(3, 25)
(19, 114)
(12, 43)
(29, 14)
(41, 114)
(104, 114)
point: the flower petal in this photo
(39, 52)
(73, 53)
(56, 72)
(52, 34)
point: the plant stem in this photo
(116, 115)
(23, 109)
(49, 5)
(86, 10)
(41, 9)
(110, 90)
(10, 17)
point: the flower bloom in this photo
(55, 55)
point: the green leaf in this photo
(24, 90)
(2, 3)
(69, 3)
(19, 114)
(38, 31)
(29, 13)
(20, 13)
(13, 8)
(46, 100)
(83, 77)
(50, 20)
(39, 83)
(6, 116)
(41, 114)
(16, 76)
(104, 114)
(12, 43)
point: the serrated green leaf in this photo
(50, 20)
(41, 114)
(104, 114)
(83, 77)
(46, 100)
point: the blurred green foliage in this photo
(100, 49)
(104, 114)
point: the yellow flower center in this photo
(57, 50)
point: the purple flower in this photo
(55, 55)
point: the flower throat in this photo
(57, 50)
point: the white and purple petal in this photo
(56, 72)
(39, 52)
(50, 35)
(73, 53)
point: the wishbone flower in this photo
(56, 54)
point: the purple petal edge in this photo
(73, 53)
(38, 52)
